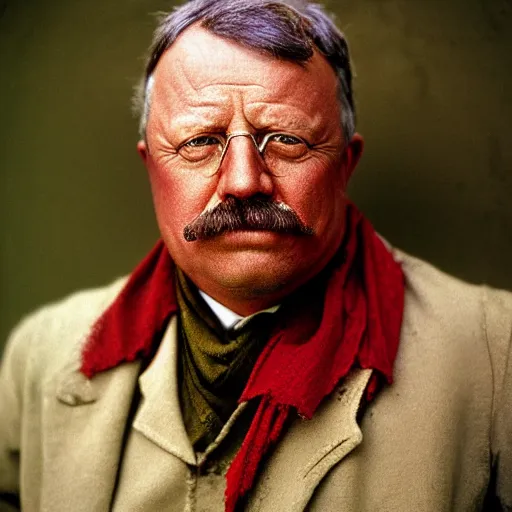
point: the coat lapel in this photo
(83, 425)
(311, 448)
(159, 416)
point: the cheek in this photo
(317, 197)
(178, 199)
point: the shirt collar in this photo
(229, 319)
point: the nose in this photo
(243, 173)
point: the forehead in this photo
(205, 74)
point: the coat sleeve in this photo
(498, 305)
(11, 391)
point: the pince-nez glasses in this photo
(279, 151)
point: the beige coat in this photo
(427, 443)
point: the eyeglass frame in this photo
(260, 147)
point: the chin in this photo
(253, 284)
(251, 279)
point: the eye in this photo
(200, 148)
(202, 140)
(284, 146)
(284, 138)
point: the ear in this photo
(142, 149)
(351, 155)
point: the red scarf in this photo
(305, 358)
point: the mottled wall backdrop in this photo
(433, 90)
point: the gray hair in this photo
(287, 29)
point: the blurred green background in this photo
(433, 91)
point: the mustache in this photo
(245, 214)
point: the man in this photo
(271, 352)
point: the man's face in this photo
(207, 86)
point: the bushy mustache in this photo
(245, 214)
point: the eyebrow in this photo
(293, 124)
(194, 123)
(211, 117)
(285, 117)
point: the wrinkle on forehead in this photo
(208, 80)
(187, 66)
